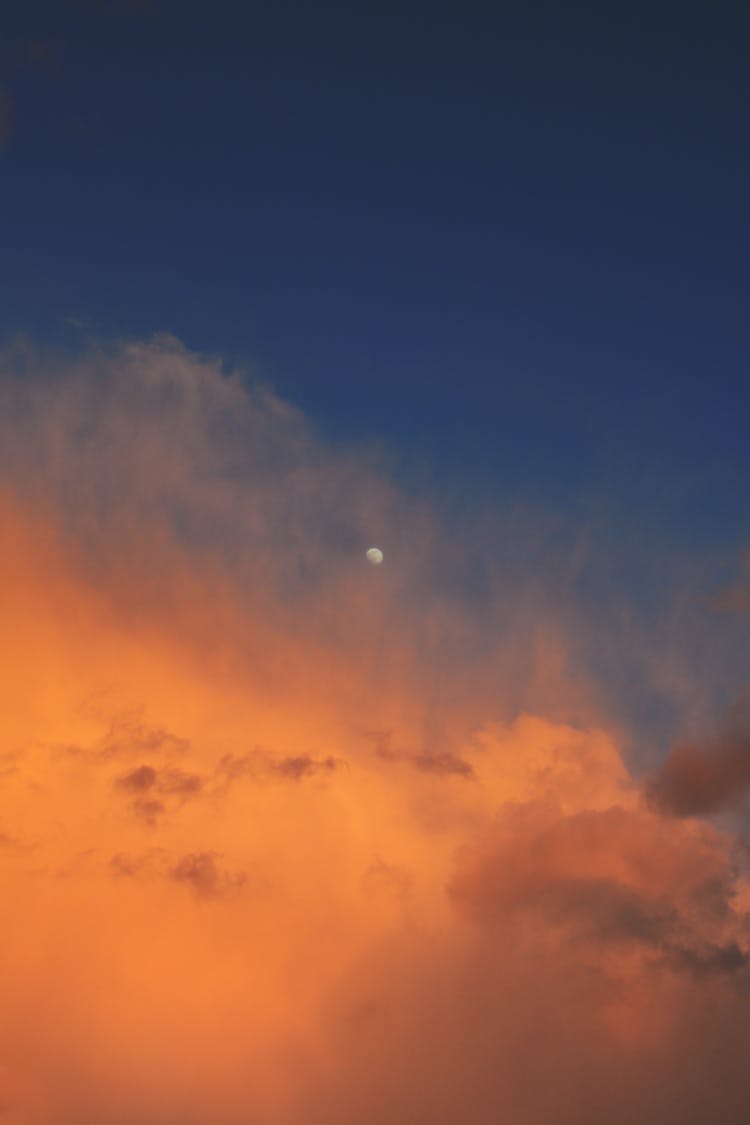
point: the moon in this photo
(374, 556)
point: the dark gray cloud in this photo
(128, 735)
(155, 791)
(438, 762)
(149, 809)
(178, 783)
(258, 765)
(138, 780)
(202, 872)
(706, 776)
(131, 735)
(447, 764)
(301, 766)
(710, 959)
(145, 864)
(586, 878)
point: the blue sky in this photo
(509, 241)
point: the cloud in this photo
(201, 871)
(270, 912)
(302, 765)
(125, 865)
(439, 762)
(155, 791)
(169, 781)
(706, 777)
(149, 809)
(445, 763)
(139, 780)
(127, 735)
(259, 766)
(589, 878)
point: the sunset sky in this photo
(288, 838)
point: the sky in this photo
(286, 837)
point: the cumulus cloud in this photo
(337, 843)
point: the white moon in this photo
(375, 556)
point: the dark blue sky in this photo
(511, 240)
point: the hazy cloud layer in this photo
(290, 838)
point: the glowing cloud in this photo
(282, 845)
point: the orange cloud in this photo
(288, 838)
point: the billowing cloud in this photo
(291, 838)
